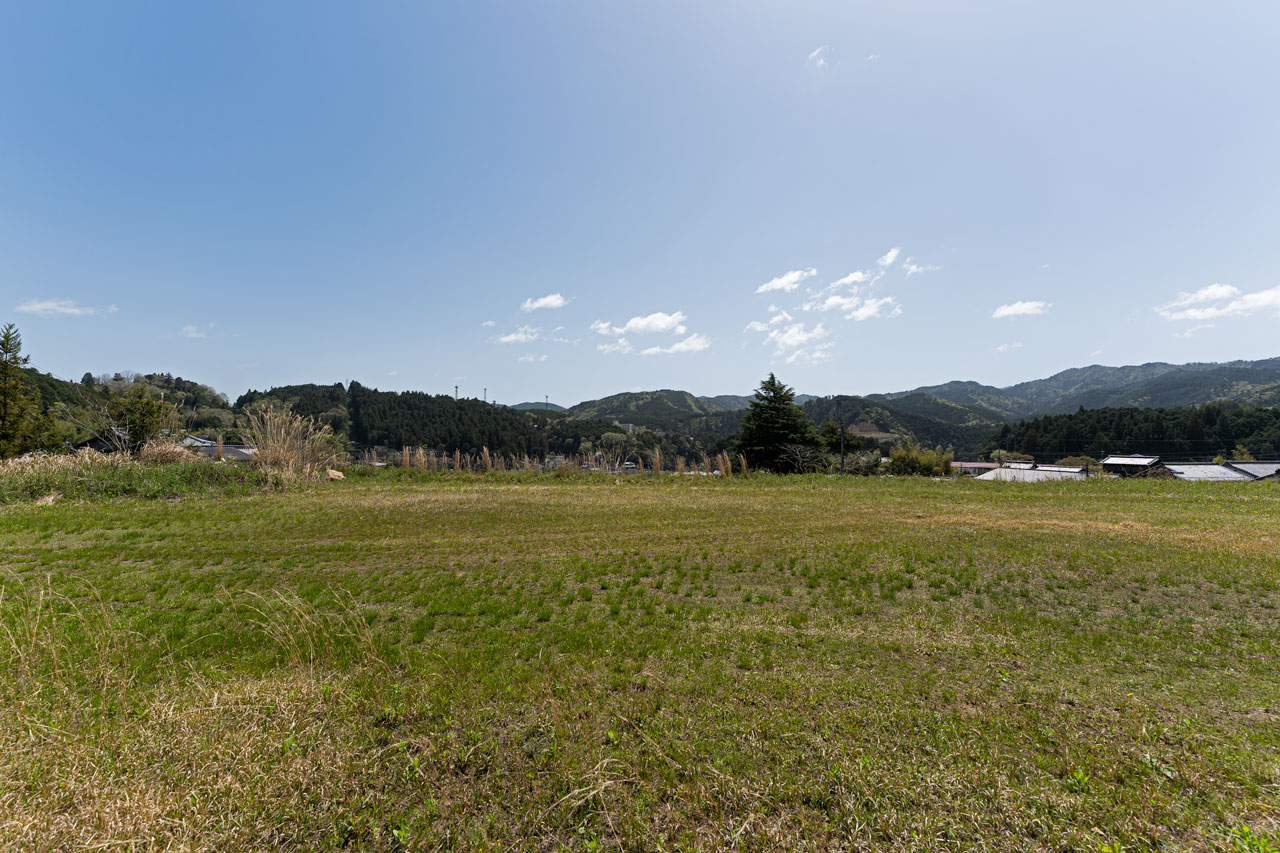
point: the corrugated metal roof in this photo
(1131, 460)
(1070, 469)
(1028, 475)
(1207, 471)
(1257, 469)
(1025, 466)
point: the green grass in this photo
(135, 480)
(521, 662)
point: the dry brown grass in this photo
(82, 459)
(289, 444)
(162, 452)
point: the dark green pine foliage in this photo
(415, 419)
(772, 423)
(1185, 433)
(23, 427)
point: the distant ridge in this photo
(736, 402)
(526, 407)
(1152, 385)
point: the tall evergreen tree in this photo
(772, 424)
(22, 425)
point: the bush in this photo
(89, 475)
(908, 458)
(290, 445)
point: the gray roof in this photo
(1257, 469)
(1029, 475)
(1131, 460)
(1068, 469)
(230, 452)
(1206, 472)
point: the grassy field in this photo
(533, 664)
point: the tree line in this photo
(1189, 432)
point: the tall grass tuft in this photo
(289, 444)
(486, 462)
(742, 465)
(655, 460)
(160, 452)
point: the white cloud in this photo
(656, 323)
(488, 324)
(1212, 293)
(522, 335)
(1186, 333)
(392, 372)
(913, 268)
(192, 332)
(693, 343)
(1009, 347)
(758, 326)
(889, 257)
(799, 343)
(884, 307)
(551, 300)
(856, 277)
(651, 324)
(794, 336)
(855, 306)
(1231, 302)
(621, 345)
(788, 281)
(872, 57)
(819, 56)
(531, 358)
(1021, 309)
(60, 308)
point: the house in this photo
(1132, 466)
(973, 468)
(1258, 470)
(1207, 472)
(230, 452)
(1029, 472)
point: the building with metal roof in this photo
(1131, 466)
(1258, 470)
(1033, 474)
(974, 468)
(1207, 472)
(229, 452)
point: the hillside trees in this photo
(776, 434)
(23, 427)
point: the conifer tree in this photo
(22, 425)
(772, 424)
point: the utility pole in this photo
(546, 403)
(486, 393)
(455, 392)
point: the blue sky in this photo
(580, 198)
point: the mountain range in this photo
(963, 414)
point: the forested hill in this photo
(1156, 384)
(413, 418)
(657, 409)
(1186, 433)
(928, 420)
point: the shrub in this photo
(908, 457)
(289, 444)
